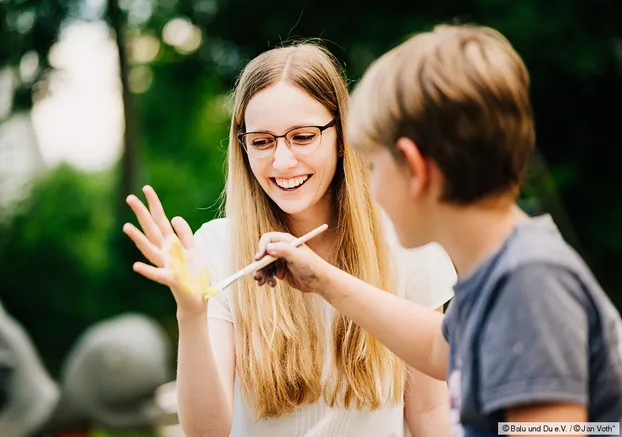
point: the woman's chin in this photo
(292, 206)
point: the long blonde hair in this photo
(278, 377)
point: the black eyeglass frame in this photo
(241, 135)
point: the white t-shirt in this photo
(425, 276)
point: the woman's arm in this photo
(205, 372)
(205, 357)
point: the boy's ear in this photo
(416, 165)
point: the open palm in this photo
(154, 240)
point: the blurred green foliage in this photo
(28, 29)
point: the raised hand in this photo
(154, 241)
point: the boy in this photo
(445, 121)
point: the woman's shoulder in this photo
(214, 236)
(216, 228)
(212, 242)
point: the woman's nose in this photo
(284, 159)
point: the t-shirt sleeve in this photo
(211, 242)
(426, 275)
(534, 346)
(448, 323)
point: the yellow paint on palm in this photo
(191, 283)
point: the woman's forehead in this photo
(282, 106)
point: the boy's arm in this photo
(426, 410)
(412, 332)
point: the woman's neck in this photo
(306, 221)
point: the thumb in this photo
(283, 250)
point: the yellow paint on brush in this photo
(190, 283)
(211, 291)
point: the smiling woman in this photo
(297, 171)
(275, 362)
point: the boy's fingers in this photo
(282, 250)
(280, 271)
(268, 238)
(262, 280)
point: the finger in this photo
(280, 271)
(261, 279)
(265, 275)
(271, 237)
(271, 269)
(183, 231)
(156, 274)
(143, 244)
(145, 220)
(283, 250)
(270, 275)
(157, 211)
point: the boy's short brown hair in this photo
(461, 93)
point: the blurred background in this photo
(99, 97)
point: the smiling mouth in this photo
(291, 184)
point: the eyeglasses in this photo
(301, 140)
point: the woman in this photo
(273, 362)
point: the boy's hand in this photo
(300, 267)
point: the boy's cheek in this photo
(383, 190)
(376, 186)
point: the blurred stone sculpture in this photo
(28, 395)
(167, 423)
(111, 375)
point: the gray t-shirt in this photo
(532, 325)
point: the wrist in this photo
(192, 317)
(328, 283)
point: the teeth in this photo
(291, 182)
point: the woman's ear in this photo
(416, 165)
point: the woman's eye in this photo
(261, 143)
(303, 138)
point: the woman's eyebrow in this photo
(296, 126)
